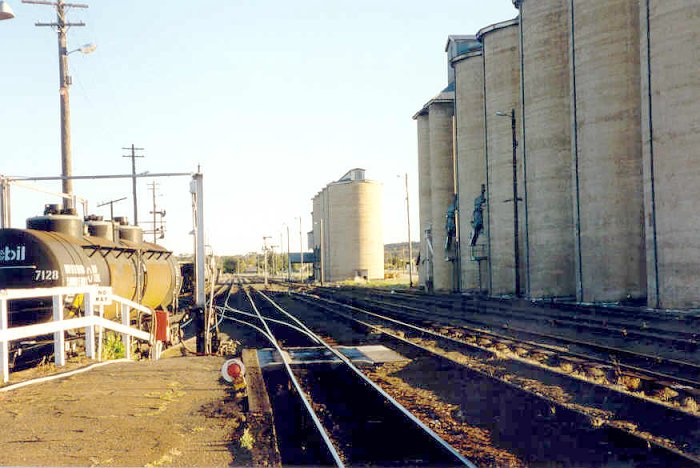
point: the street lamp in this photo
(410, 247)
(84, 49)
(6, 11)
(516, 237)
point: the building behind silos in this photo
(347, 230)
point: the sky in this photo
(272, 99)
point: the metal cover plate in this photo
(368, 354)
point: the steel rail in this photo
(689, 366)
(388, 397)
(317, 422)
(280, 322)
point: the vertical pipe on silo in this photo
(487, 225)
(523, 145)
(648, 149)
(578, 258)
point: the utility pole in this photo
(111, 206)
(265, 238)
(64, 84)
(301, 253)
(410, 247)
(133, 157)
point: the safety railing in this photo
(94, 301)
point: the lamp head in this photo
(88, 48)
(6, 11)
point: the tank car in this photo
(61, 249)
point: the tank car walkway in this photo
(170, 412)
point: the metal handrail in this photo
(94, 299)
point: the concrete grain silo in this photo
(469, 105)
(442, 186)
(546, 147)
(606, 140)
(670, 36)
(424, 199)
(349, 226)
(501, 59)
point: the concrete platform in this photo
(174, 412)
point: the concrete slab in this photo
(367, 354)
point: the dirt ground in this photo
(173, 412)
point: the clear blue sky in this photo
(273, 98)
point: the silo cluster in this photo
(579, 118)
(347, 229)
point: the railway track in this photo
(673, 435)
(648, 370)
(346, 418)
(668, 332)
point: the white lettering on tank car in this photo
(46, 275)
(12, 254)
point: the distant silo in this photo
(350, 222)
(424, 200)
(442, 185)
(606, 139)
(546, 126)
(469, 99)
(670, 36)
(502, 95)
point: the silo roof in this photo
(495, 27)
(468, 55)
(447, 95)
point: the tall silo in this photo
(502, 97)
(670, 35)
(469, 108)
(546, 144)
(348, 229)
(606, 140)
(442, 185)
(424, 199)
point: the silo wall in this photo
(355, 243)
(607, 153)
(546, 127)
(424, 199)
(502, 94)
(670, 36)
(469, 99)
(441, 188)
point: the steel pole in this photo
(516, 221)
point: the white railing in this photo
(94, 300)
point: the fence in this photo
(94, 301)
